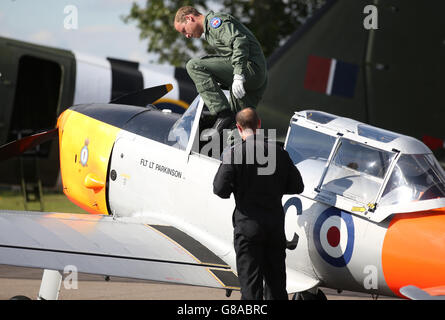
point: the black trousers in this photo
(260, 256)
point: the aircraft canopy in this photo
(364, 169)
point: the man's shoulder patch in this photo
(215, 22)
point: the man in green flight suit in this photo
(239, 63)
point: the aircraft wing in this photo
(102, 245)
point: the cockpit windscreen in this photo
(415, 177)
(179, 134)
(309, 151)
(357, 171)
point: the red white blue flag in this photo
(331, 76)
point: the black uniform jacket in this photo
(257, 195)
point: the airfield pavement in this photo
(26, 281)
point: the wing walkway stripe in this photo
(193, 247)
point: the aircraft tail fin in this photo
(386, 75)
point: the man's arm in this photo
(223, 183)
(294, 182)
(232, 37)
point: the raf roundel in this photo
(215, 22)
(334, 236)
(84, 153)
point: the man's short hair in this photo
(248, 118)
(184, 11)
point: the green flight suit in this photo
(237, 52)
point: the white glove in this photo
(238, 86)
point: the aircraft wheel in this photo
(20, 298)
(306, 295)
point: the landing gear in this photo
(316, 294)
(20, 298)
(50, 286)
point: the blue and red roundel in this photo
(334, 236)
(215, 22)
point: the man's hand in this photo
(238, 86)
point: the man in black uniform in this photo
(258, 218)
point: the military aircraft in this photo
(369, 220)
(37, 83)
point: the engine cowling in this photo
(85, 148)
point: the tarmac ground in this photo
(26, 281)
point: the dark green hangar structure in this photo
(392, 77)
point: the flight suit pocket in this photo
(205, 85)
(250, 70)
(254, 77)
